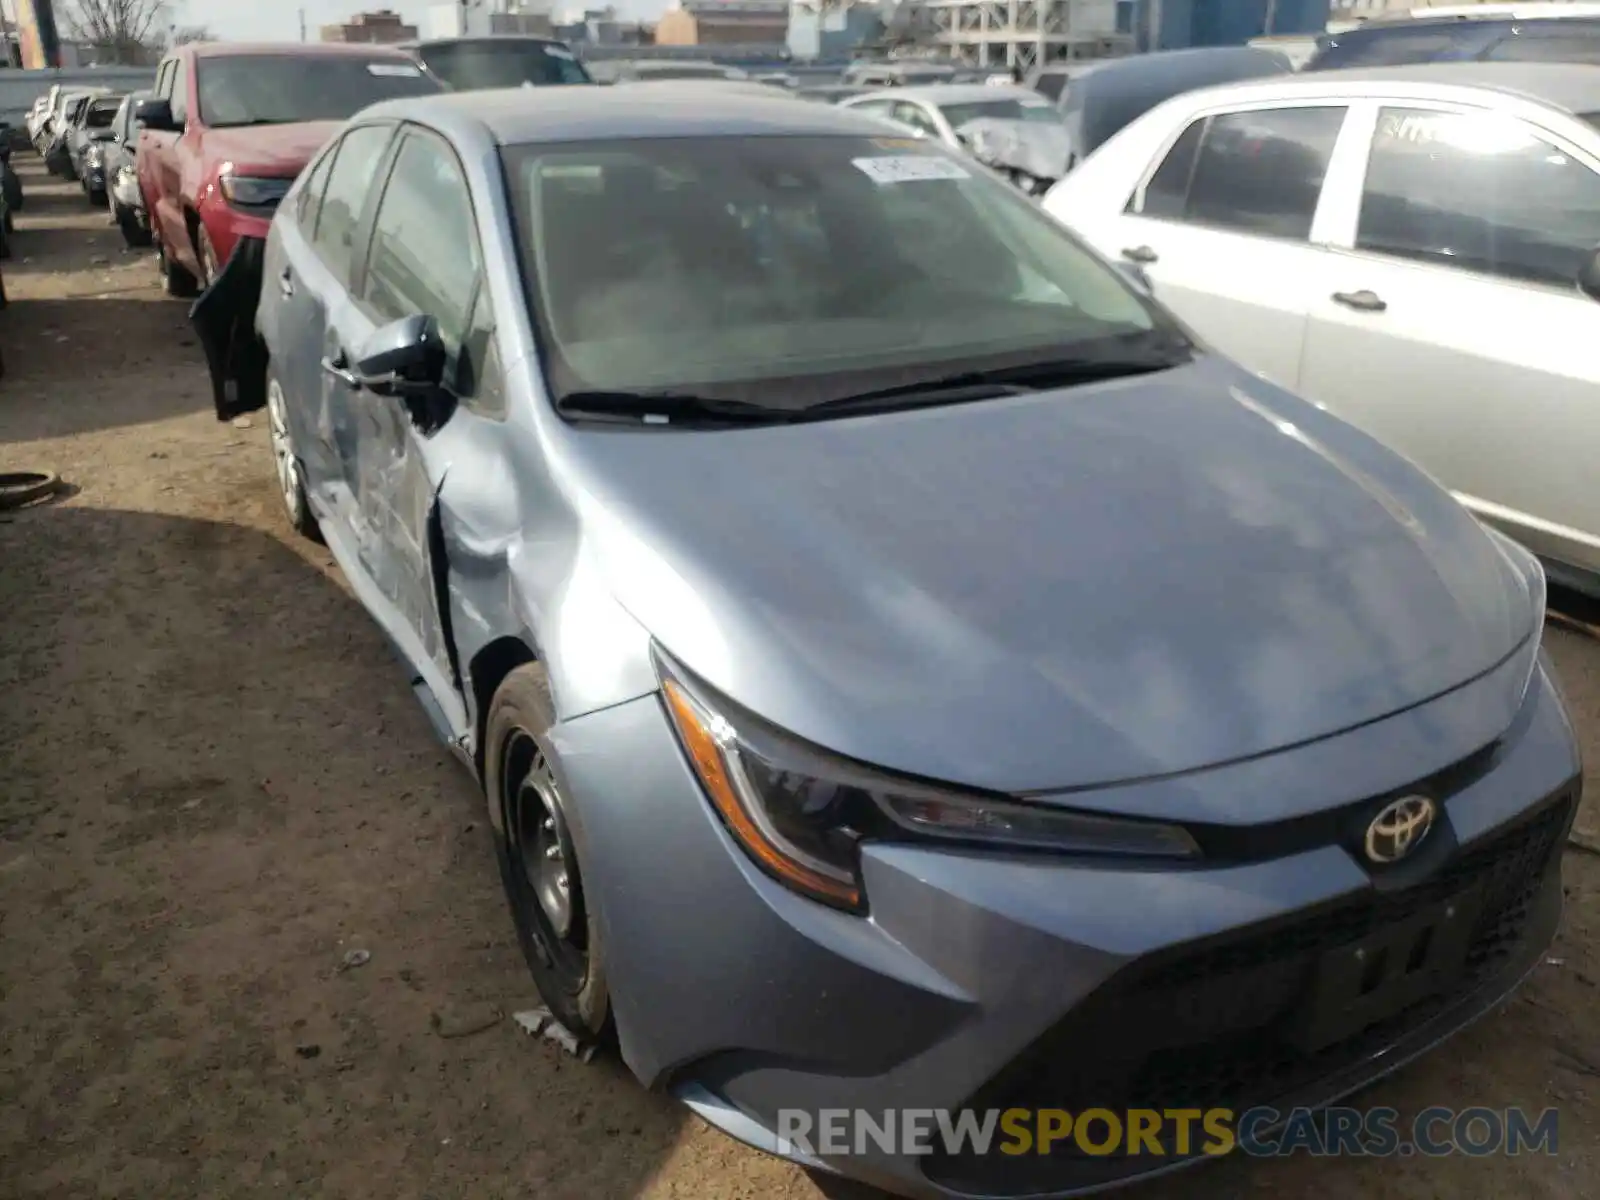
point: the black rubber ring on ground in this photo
(19, 488)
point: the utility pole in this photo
(302, 24)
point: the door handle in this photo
(1362, 301)
(339, 368)
(1140, 254)
(286, 283)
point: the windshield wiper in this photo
(987, 384)
(665, 408)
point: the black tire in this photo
(5, 238)
(568, 963)
(18, 488)
(175, 278)
(291, 489)
(134, 233)
(97, 197)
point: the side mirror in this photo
(156, 115)
(404, 358)
(1589, 276)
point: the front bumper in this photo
(983, 980)
(125, 191)
(228, 226)
(94, 178)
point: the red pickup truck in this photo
(232, 125)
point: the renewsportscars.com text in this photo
(1170, 1132)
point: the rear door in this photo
(321, 279)
(1453, 329)
(1223, 227)
(158, 166)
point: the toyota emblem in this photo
(1399, 828)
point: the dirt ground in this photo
(214, 783)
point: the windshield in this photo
(1003, 109)
(281, 89)
(785, 271)
(502, 63)
(102, 113)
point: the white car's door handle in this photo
(1363, 301)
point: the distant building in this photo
(833, 30)
(496, 17)
(724, 22)
(383, 27)
(1179, 24)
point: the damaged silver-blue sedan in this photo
(905, 669)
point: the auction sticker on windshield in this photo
(909, 168)
(395, 70)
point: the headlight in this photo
(95, 156)
(802, 813)
(253, 191)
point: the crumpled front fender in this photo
(224, 318)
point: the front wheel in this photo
(175, 279)
(540, 866)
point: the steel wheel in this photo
(543, 876)
(208, 259)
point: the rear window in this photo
(503, 63)
(102, 114)
(1395, 47)
(282, 89)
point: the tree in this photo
(121, 31)
(185, 34)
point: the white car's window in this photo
(788, 269)
(1258, 172)
(914, 116)
(1480, 193)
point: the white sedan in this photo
(1412, 248)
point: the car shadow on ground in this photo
(215, 786)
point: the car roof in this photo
(956, 93)
(1571, 87)
(497, 38)
(295, 49)
(670, 108)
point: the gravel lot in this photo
(214, 783)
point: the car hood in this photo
(1075, 587)
(269, 149)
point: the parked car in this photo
(652, 69)
(478, 63)
(1526, 38)
(58, 153)
(1009, 127)
(36, 118)
(10, 181)
(229, 129)
(1102, 100)
(909, 72)
(898, 660)
(830, 93)
(41, 128)
(1432, 281)
(87, 142)
(121, 166)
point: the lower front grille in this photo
(1216, 1025)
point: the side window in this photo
(913, 115)
(309, 203)
(425, 256)
(1532, 44)
(1168, 190)
(1257, 172)
(479, 380)
(180, 91)
(1477, 192)
(345, 197)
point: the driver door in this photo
(423, 257)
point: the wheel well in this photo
(487, 671)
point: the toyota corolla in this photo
(904, 667)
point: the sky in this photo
(275, 20)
